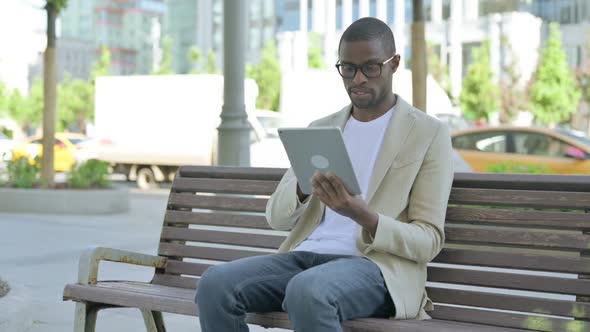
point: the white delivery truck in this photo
(153, 124)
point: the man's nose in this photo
(359, 77)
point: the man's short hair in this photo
(369, 28)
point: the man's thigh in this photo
(258, 283)
(354, 284)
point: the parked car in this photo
(557, 150)
(6, 146)
(66, 145)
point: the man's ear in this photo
(395, 62)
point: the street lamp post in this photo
(233, 146)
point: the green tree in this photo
(75, 104)
(27, 111)
(4, 97)
(479, 94)
(199, 64)
(165, 67)
(102, 67)
(267, 75)
(513, 95)
(554, 94)
(315, 57)
(439, 71)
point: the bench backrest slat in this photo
(216, 219)
(505, 234)
(520, 198)
(518, 218)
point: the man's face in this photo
(367, 92)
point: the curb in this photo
(15, 309)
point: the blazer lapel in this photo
(400, 125)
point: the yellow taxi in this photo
(556, 150)
(65, 147)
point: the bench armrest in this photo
(88, 264)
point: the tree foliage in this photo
(27, 111)
(479, 94)
(199, 64)
(315, 57)
(554, 94)
(267, 75)
(165, 67)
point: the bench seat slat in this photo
(504, 319)
(186, 268)
(180, 301)
(535, 283)
(510, 302)
(500, 217)
(523, 238)
(520, 198)
(539, 262)
(245, 204)
(233, 186)
(223, 237)
(216, 219)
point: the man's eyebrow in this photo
(370, 61)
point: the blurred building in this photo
(128, 28)
(515, 29)
(199, 23)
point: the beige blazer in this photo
(409, 189)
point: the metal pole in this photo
(234, 132)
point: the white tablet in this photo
(321, 149)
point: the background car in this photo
(66, 145)
(558, 151)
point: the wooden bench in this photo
(516, 256)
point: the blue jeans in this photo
(317, 291)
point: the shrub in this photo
(91, 174)
(22, 173)
(512, 167)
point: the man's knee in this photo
(212, 284)
(305, 293)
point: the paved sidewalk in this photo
(41, 253)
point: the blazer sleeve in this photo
(283, 208)
(422, 238)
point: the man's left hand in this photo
(331, 191)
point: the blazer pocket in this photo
(407, 159)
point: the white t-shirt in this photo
(336, 233)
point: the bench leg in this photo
(154, 321)
(85, 317)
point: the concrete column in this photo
(318, 19)
(234, 132)
(346, 14)
(303, 15)
(382, 10)
(456, 51)
(300, 44)
(495, 45)
(436, 11)
(470, 10)
(364, 8)
(330, 44)
(399, 24)
(205, 26)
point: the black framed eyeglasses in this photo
(370, 70)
